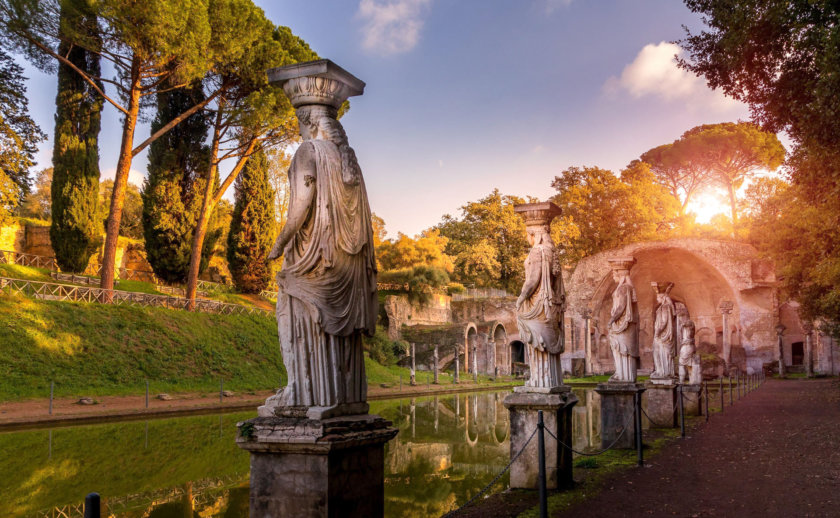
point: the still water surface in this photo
(448, 448)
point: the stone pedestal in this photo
(661, 407)
(556, 404)
(692, 400)
(316, 468)
(617, 413)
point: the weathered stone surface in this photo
(623, 324)
(617, 414)
(660, 404)
(164, 397)
(692, 400)
(557, 417)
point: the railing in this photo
(485, 293)
(64, 292)
(22, 259)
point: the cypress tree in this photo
(76, 230)
(173, 187)
(252, 227)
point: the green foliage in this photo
(427, 249)
(9, 196)
(132, 224)
(455, 287)
(19, 135)
(603, 211)
(422, 281)
(172, 194)
(382, 350)
(488, 242)
(38, 204)
(76, 228)
(252, 227)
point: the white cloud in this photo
(134, 176)
(553, 5)
(654, 72)
(392, 26)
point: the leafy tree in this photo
(75, 230)
(37, 204)
(278, 176)
(731, 153)
(674, 170)
(379, 232)
(132, 227)
(252, 227)
(427, 249)
(490, 220)
(9, 194)
(603, 211)
(140, 41)
(171, 193)
(422, 281)
(19, 135)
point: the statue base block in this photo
(692, 399)
(523, 406)
(316, 467)
(661, 404)
(617, 413)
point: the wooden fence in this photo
(37, 261)
(65, 292)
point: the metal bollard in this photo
(706, 393)
(92, 506)
(730, 390)
(638, 427)
(221, 389)
(52, 386)
(682, 412)
(541, 455)
(400, 382)
(721, 395)
(147, 393)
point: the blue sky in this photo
(466, 96)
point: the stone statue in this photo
(664, 333)
(624, 322)
(690, 370)
(540, 306)
(327, 286)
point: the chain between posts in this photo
(600, 452)
(660, 425)
(495, 479)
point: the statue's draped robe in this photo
(539, 319)
(327, 288)
(623, 333)
(664, 339)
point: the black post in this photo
(221, 388)
(730, 390)
(92, 506)
(706, 392)
(541, 455)
(682, 411)
(721, 396)
(638, 427)
(147, 393)
(400, 382)
(52, 386)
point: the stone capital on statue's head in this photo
(619, 264)
(537, 214)
(316, 82)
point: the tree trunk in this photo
(732, 204)
(112, 229)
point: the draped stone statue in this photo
(624, 322)
(327, 286)
(540, 306)
(690, 370)
(664, 333)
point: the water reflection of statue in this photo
(327, 286)
(542, 299)
(623, 325)
(690, 370)
(664, 333)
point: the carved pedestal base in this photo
(692, 400)
(316, 468)
(556, 404)
(661, 404)
(617, 414)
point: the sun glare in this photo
(708, 205)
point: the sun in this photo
(707, 205)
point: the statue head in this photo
(318, 122)
(539, 235)
(688, 331)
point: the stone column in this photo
(436, 364)
(413, 366)
(808, 327)
(780, 329)
(617, 414)
(456, 378)
(475, 360)
(587, 343)
(725, 310)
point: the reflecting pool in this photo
(449, 447)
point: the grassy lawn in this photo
(28, 273)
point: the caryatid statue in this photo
(327, 287)
(540, 307)
(664, 332)
(690, 369)
(624, 322)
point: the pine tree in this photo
(76, 230)
(171, 195)
(252, 227)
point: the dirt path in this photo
(775, 453)
(35, 412)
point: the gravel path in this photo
(775, 453)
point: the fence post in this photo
(637, 425)
(52, 386)
(706, 393)
(541, 455)
(92, 506)
(682, 411)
